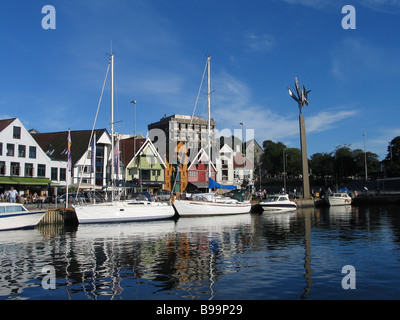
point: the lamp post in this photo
(302, 100)
(243, 149)
(365, 159)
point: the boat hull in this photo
(278, 207)
(339, 201)
(190, 208)
(20, 220)
(123, 212)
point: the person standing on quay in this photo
(12, 194)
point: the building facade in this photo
(198, 172)
(24, 164)
(179, 137)
(144, 167)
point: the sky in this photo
(51, 79)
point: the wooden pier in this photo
(59, 216)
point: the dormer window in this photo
(17, 132)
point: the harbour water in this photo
(293, 255)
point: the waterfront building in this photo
(198, 172)
(25, 165)
(224, 165)
(179, 138)
(144, 167)
(86, 170)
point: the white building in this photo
(82, 175)
(233, 168)
(23, 163)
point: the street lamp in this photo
(365, 158)
(242, 124)
(302, 100)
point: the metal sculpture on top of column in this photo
(302, 100)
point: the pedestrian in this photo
(12, 194)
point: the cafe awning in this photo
(25, 181)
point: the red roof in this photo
(126, 148)
(239, 161)
(5, 123)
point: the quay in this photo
(55, 215)
(389, 198)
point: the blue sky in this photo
(52, 79)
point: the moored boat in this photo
(339, 199)
(123, 211)
(16, 216)
(278, 202)
(210, 204)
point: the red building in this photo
(198, 172)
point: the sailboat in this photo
(121, 210)
(204, 204)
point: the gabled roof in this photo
(5, 123)
(54, 144)
(127, 148)
(200, 157)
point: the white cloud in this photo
(259, 43)
(234, 104)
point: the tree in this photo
(293, 164)
(344, 163)
(322, 165)
(359, 160)
(273, 157)
(392, 160)
(274, 153)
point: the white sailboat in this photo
(121, 210)
(210, 203)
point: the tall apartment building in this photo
(192, 131)
(179, 138)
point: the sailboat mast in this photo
(112, 127)
(209, 122)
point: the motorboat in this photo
(278, 202)
(339, 199)
(123, 211)
(16, 216)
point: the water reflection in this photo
(291, 255)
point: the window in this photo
(2, 168)
(14, 169)
(1, 148)
(192, 173)
(32, 152)
(54, 174)
(10, 150)
(41, 171)
(17, 132)
(145, 175)
(63, 174)
(28, 170)
(21, 151)
(15, 208)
